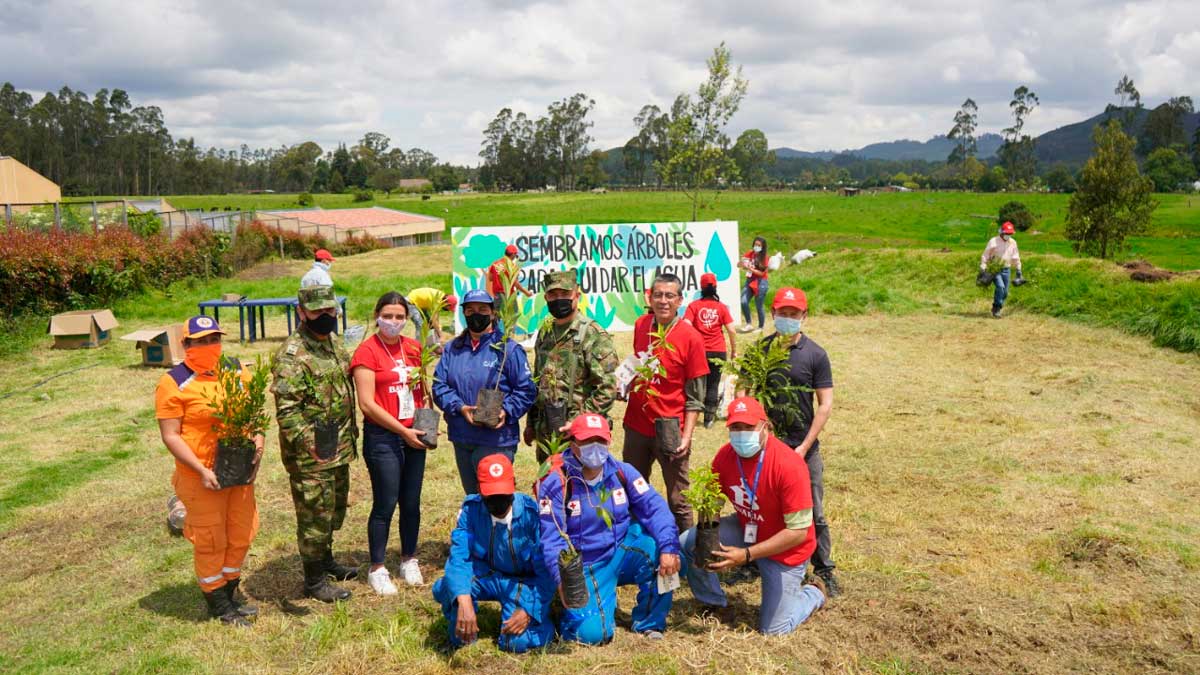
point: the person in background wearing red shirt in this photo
(382, 367)
(767, 483)
(679, 394)
(709, 316)
(503, 275)
(755, 264)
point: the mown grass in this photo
(798, 219)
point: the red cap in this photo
(452, 302)
(745, 410)
(590, 425)
(1007, 228)
(322, 254)
(495, 474)
(790, 297)
(511, 249)
(708, 279)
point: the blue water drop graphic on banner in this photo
(716, 260)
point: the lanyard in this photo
(752, 491)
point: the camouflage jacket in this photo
(575, 367)
(312, 385)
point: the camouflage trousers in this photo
(320, 498)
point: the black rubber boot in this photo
(339, 572)
(221, 609)
(238, 600)
(832, 587)
(316, 584)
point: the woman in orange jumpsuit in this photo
(220, 523)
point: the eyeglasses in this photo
(663, 296)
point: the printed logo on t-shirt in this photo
(708, 317)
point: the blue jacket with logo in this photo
(582, 522)
(480, 547)
(463, 371)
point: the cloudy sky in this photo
(823, 74)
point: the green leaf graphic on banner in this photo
(600, 314)
(483, 250)
(716, 260)
(626, 306)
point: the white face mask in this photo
(390, 328)
(757, 248)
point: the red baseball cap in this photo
(790, 297)
(1007, 228)
(745, 410)
(511, 249)
(708, 279)
(452, 302)
(590, 425)
(495, 474)
(322, 254)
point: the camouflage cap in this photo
(314, 298)
(564, 280)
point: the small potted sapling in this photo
(240, 411)
(554, 409)
(326, 430)
(761, 373)
(490, 400)
(667, 433)
(706, 499)
(426, 418)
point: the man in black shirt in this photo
(809, 367)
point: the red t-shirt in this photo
(685, 362)
(394, 366)
(783, 487)
(709, 317)
(496, 278)
(753, 258)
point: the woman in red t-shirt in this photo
(755, 265)
(710, 316)
(383, 367)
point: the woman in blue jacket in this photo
(635, 544)
(495, 555)
(472, 362)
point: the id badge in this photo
(751, 533)
(667, 584)
(406, 408)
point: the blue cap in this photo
(199, 326)
(477, 295)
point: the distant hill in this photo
(1072, 144)
(935, 149)
(788, 153)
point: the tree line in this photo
(105, 145)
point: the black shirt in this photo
(809, 368)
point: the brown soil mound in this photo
(1140, 270)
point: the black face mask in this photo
(324, 324)
(477, 323)
(498, 505)
(560, 308)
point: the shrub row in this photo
(43, 272)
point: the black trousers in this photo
(712, 384)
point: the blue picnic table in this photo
(255, 310)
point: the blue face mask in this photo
(745, 443)
(787, 326)
(593, 455)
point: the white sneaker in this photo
(381, 582)
(745, 328)
(412, 572)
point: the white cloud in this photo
(823, 74)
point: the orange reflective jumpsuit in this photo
(219, 523)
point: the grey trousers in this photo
(821, 559)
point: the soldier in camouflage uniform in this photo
(318, 435)
(574, 360)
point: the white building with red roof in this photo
(399, 228)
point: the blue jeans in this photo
(467, 457)
(397, 472)
(1002, 287)
(635, 561)
(763, 287)
(505, 590)
(786, 601)
(415, 318)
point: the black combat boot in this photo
(221, 609)
(832, 587)
(316, 584)
(339, 572)
(238, 600)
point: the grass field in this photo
(817, 220)
(1004, 496)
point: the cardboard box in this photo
(160, 346)
(84, 329)
(233, 297)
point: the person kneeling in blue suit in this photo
(495, 554)
(622, 527)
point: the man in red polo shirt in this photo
(767, 483)
(504, 273)
(678, 394)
